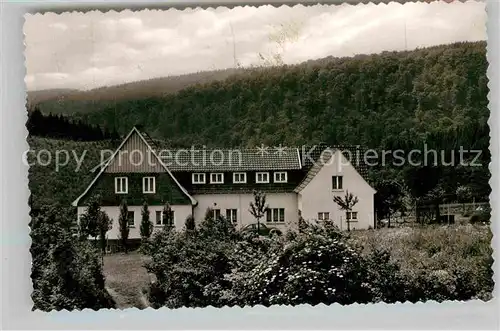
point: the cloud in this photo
(96, 49)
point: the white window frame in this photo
(233, 212)
(262, 181)
(278, 180)
(323, 216)
(122, 181)
(161, 218)
(199, 181)
(244, 174)
(214, 216)
(350, 214)
(145, 184)
(162, 221)
(271, 212)
(133, 219)
(216, 174)
(337, 183)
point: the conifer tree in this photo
(123, 223)
(190, 223)
(104, 224)
(146, 225)
(168, 216)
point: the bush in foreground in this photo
(321, 265)
(66, 271)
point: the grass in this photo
(448, 251)
(126, 278)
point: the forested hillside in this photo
(368, 100)
(435, 96)
(68, 102)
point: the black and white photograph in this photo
(259, 155)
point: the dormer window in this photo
(239, 178)
(148, 185)
(216, 178)
(262, 177)
(199, 178)
(121, 185)
(280, 177)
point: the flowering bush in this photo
(320, 264)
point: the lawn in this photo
(126, 278)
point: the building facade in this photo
(296, 182)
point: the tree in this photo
(388, 199)
(281, 36)
(168, 216)
(88, 224)
(190, 223)
(66, 272)
(123, 223)
(146, 225)
(104, 224)
(219, 228)
(258, 207)
(464, 194)
(346, 204)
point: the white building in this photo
(192, 180)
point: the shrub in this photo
(66, 271)
(320, 264)
(438, 262)
(185, 263)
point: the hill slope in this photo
(366, 100)
(61, 101)
(399, 100)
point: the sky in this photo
(94, 49)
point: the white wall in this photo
(241, 202)
(317, 196)
(181, 212)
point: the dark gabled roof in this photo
(293, 178)
(248, 159)
(102, 167)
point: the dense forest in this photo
(435, 96)
(58, 126)
(69, 101)
(370, 100)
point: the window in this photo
(131, 219)
(336, 182)
(231, 215)
(215, 213)
(275, 215)
(280, 177)
(121, 185)
(217, 178)
(160, 220)
(352, 216)
(262, 177)
(148, 185)
(323, 216)
(239, 178)
(199, 178)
